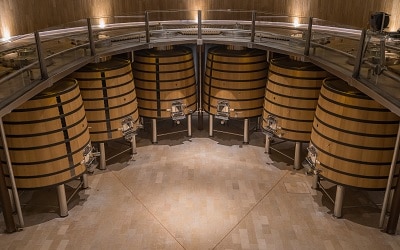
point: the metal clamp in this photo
(129, 128)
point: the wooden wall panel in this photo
(22, 16)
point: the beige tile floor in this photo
(199, 193)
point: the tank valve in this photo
(223, 110)
(129, 128)
(177, 111)
(310, 163)
(90, 155)
(272, 128)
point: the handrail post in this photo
(42, 64)
(91, 40)
(199, 21)
(253, 25)
(147, 26)
(360, 54)
(308, 37)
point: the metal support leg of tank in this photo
(154, 128)
(84, 180)
(133, 145)
(315, 181)
(189, 124)
(297, 153)
(102, 156)
(246, 131)
(62, 200)
(337, 211)
(211, 125)
(267, 143)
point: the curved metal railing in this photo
(370, 65)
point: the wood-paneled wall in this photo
(22, 16)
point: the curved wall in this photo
(21, 16)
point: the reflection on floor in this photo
(199, 193)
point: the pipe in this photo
(11, 173)
(394, 211)
(10, 193)
(6, 204)
(199, 86)
(390, 179)
(62, 200)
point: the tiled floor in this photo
(199, 193)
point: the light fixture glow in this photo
(102, 23)
(296, 22)
(6, 34)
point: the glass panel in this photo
(381, 63)
(225, 24)
(118, 31)
(282, 32)
(19, 65)
(335, 43)
(179, 24)
(63, 45)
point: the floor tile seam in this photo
(148, 210)
(253, 207)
